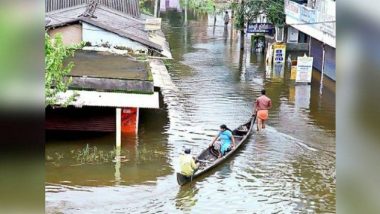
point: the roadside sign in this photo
(153, 24)
(304, 69)
(279, 53)
(260, 28)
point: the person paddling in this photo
(226, 139)
(187, 163)
(260, 109)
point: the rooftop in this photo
(109, 20)
(103, 71)
(108, 65)
(130, 7)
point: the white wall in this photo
(98, 36)
(313, 32)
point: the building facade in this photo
(313, 21)
(111, 78)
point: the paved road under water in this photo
(288, 168)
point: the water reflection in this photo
(141, 158)
(268, 71)
(278, 71)
(225, 171)
(186, 197)
(117, 161)
(225, 34)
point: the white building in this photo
(313, 21)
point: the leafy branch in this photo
(250, 9)
(56, 72)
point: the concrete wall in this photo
(71, 34)
(316, 51)
(98, 36)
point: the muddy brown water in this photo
(288, 168)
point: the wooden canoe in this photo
(208, 158)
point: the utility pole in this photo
(185, 22)
(157, 8)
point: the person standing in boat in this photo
(261, 109)
(187, 163)
(226, 139)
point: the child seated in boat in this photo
(226, 139)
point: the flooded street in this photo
(287, 168)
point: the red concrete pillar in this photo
(129, 120)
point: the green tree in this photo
(56, 71)
(274, 9)
(249, 9)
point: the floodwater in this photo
(287, 168)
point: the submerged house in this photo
(111, 78)
(100, 26)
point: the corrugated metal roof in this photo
(107, 19)
(130, 7)
(110, 99)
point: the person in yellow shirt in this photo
(187, 164)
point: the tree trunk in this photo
(241, 39)
(242, 27)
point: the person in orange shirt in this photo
(260, 108)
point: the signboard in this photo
(260, 28)
(308, 15)
(328, 27)
(292, 35)
(153, 24)
(292, 9)
(304, 69)
(327, 16)
(279, 53)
